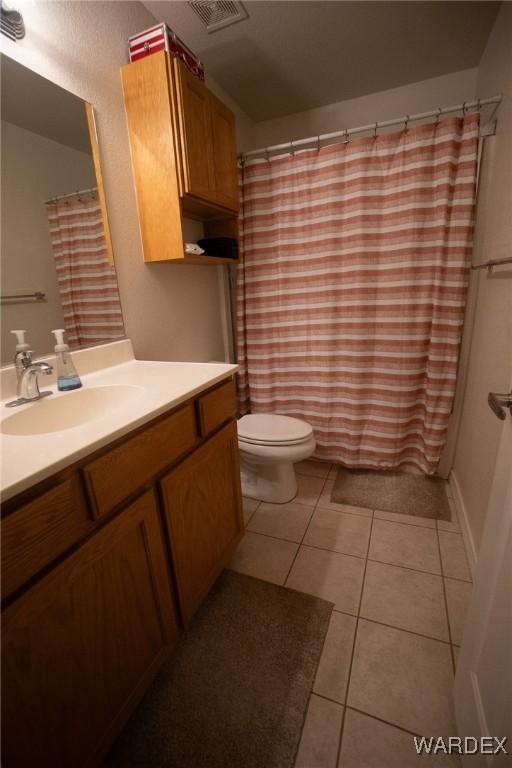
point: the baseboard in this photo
(463, 522)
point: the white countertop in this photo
(155, 387)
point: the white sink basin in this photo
(71, 409)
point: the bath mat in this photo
(235, 692)
(407, 494)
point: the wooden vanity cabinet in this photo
(202, 506)
(97, 581)
(81, 646)
(183, 147)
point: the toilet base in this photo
(274, 482)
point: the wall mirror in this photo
(57, 265)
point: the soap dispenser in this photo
(21, 344)
(67, 376)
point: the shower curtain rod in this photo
(466, 105)
(72, 194)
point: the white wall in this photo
(34, 169)
(385, 105)
(490, 360)
(170, 311)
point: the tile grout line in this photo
(367, 714)
(386, 722)
(392, 626)
(315, 546)
(401, 629)
(464, 550)
(410, 525)
(445, 601)
(349, 674)
(246, 522)
(323, 644)
(305, 532)
(358, 557)
(416, 570)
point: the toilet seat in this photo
(272, 429)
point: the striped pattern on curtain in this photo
(86, 279)
(352, 288)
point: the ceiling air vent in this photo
(11, 22)
(217, 14)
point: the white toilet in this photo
(269, 447)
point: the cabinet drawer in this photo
(37, 533)
(124, 470)
(217, 407)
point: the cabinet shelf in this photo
(189, 258)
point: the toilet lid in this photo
(265, 428)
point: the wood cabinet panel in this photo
(80, 646)
(38, 532)
(195, 133)
(224, 154)
(114, 476)
(183, 149)
(203, 511)
(95, 147)
(148, 103)
(217, 407)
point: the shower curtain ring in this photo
(318, 143)
(406, 125)
(292, 148)
(267, 157)
(346, 136)
(464, 109)
(375, 130)
(438, 116)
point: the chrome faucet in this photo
(21, 361)
(29, 385)
(27, 373)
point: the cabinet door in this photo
(79, 648)
(202, 500)
(193, 104)
(153, 142)
(224, 154)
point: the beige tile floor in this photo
(400, 587)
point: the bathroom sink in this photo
(71, 409)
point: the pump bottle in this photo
(21, 344)
(67, 376)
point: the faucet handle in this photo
(25, 357)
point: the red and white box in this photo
(162, 38)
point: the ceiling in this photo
(293, 56)
(38, 105)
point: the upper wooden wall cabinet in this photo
(183, 146)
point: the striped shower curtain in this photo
(86, 279)
(352, 287)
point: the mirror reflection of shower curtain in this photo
(87, 281)
(352, 286)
